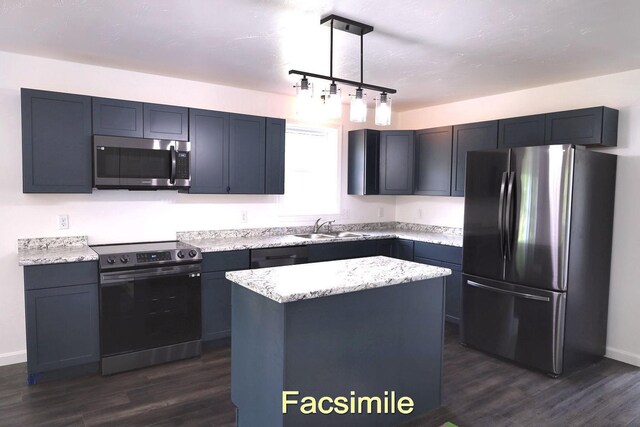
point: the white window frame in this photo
(305, 217)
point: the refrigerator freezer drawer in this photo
(519, 323)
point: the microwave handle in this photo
(173, 166)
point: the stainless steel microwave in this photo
(140, 164)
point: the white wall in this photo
(620, 91)
(122, 216)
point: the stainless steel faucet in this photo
(318, 225)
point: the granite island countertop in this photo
(306, 281)
(54, 250)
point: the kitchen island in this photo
(353, 342)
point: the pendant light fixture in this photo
(304, 97)
(358, 109)
(383, 110)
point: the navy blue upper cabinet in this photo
(521, 131)
(209, 151)
(588, 126)
(247, 156)
(396, 162)
(56, 142)
(117, 118)
(276, 131)
(166, 122)
(470, 137)
(433, 161)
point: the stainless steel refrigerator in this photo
(536, 255)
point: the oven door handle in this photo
(172, 180)
(192, 270)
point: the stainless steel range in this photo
(150, 304)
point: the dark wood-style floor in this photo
(478, 391)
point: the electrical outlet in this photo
(346, 213)
(380, 212)
(244, 216)
(419, 213)
(63, 222)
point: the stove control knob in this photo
(124, 259)
(192, 253)
(180, 254)
(111, 259)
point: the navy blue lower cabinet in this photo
(216, 291)
(403, 249)
(370, 342)
(62, 328)
(342, 250)
(216, 306)
(448, 257)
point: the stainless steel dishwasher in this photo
(274, 257)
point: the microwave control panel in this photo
(182, 165)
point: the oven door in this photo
(136, 163)
(149, 308)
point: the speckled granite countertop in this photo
(54, 250)
(306, 281)
(228, 240)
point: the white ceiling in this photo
(431, 51)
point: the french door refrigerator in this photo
(536, 255)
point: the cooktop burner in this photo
(146, 254)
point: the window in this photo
(312, 172)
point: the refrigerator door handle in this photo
(503, 187)
(505, 291)
(509, 214)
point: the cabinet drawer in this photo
(225, 261)
(58, 275)
(450, 254)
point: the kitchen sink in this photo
(314, 236)
(346, 234)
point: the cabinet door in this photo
(453, 296)
(470, 137)
(166, 122)
(385, 247)
(216, 306)
(342, 250)
(521, 131)
(403, 249)
(433, 161)
(246, 154)
(62, 327)
(364, 162)
(209, 151)
(396, 162)
(587, 126)
(274, 172)
(117, 118)
(56, 142)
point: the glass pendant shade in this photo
(383, 110)
(358, 112)
(304, 97)
(333, 102)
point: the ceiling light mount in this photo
(359, 29)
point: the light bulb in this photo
(383, 110)
(304, 97)
(358, 112)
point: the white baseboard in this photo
(13, 357)
(623, 356)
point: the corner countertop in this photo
(54, 250)
(229, 240)
(306, 281)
